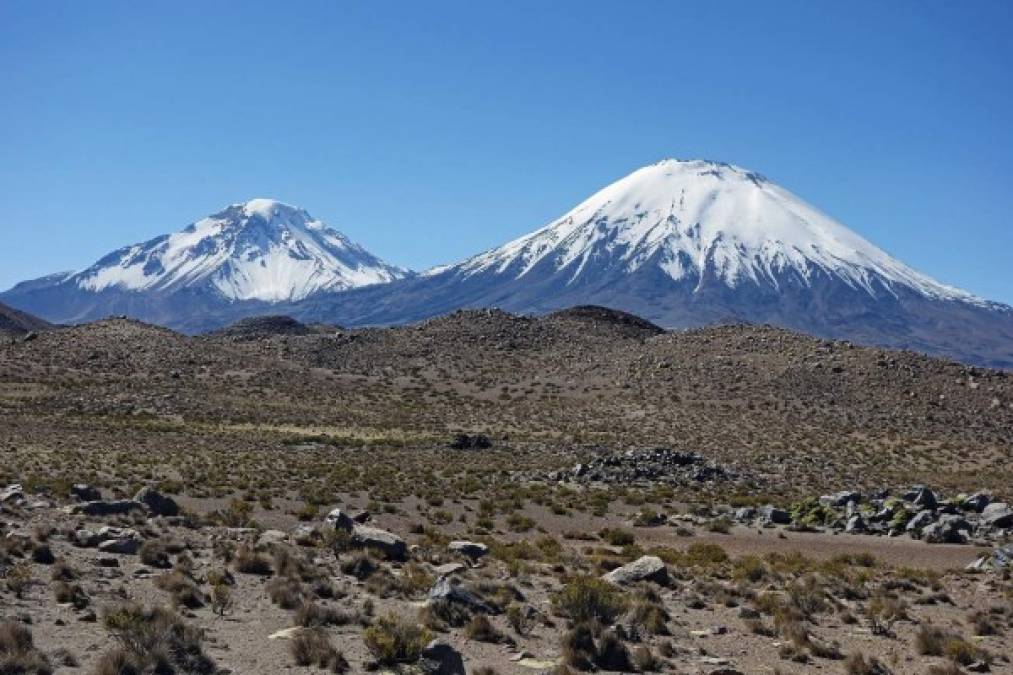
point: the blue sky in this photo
(431, 131)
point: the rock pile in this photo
(653, 465)
(919, 512)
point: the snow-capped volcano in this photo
(690, 243)
(706, 222)
(260, 250)
(236, 262)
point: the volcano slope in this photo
(458, 428)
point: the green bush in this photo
(393, 639)
(588, 599)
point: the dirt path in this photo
(898, 551)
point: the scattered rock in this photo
(118, 540)
(745, 514)
(390, 545)
(947, 530)
(119, 507)
(921, 520)
(85, 493)
(439, 658)
(645, 568)
(448, 569)
(978, 501)
(472, 549)
(338, 519)
(999, 559)
(157, 503)
(12, 494)
(444, 590)
(856, 524)
(85, 538)
(997, 515)
(775, 516)
(467, 442)
(840, 499)
(272, 537)
(926, 499)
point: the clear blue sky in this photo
(429, 131)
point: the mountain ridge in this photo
(681, 243)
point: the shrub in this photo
(154, 553)
(393, 639)
(578, 648)
(720, 525)
(857, 664)
(930, 640)
(71, 594)
(520, 619)
(154, 639)
(645, 660)
(312, 646)
(285, 592)
(19, 578)
(181, 588)
(650, 615)
(439, 614)
(361, 566)
(617, 536)
(311, 614)
(250, 561)
(481, 629)
(589, 599)
(221, 598)
(18, 654)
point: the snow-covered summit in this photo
(701, 220)
(262, 249)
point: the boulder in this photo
(925, 499)
(123, 541)
(305, 534)
(921, 520)
(448, 569)
(776, 516)
(947, 530)
(884, 515)
(439, 658)
(856, 524)
(268, 537)
(997, 515)
(157, 503)
(85, 493)
(387, 543)
(999, 559)
(120, 507)
(745, 514)
(472, 549)
(339, 519)
(977, 502)
(85, 538)
(444, 590)
(839, 500)
(645, 568)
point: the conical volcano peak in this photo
(702, 222)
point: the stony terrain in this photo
(780, 503)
